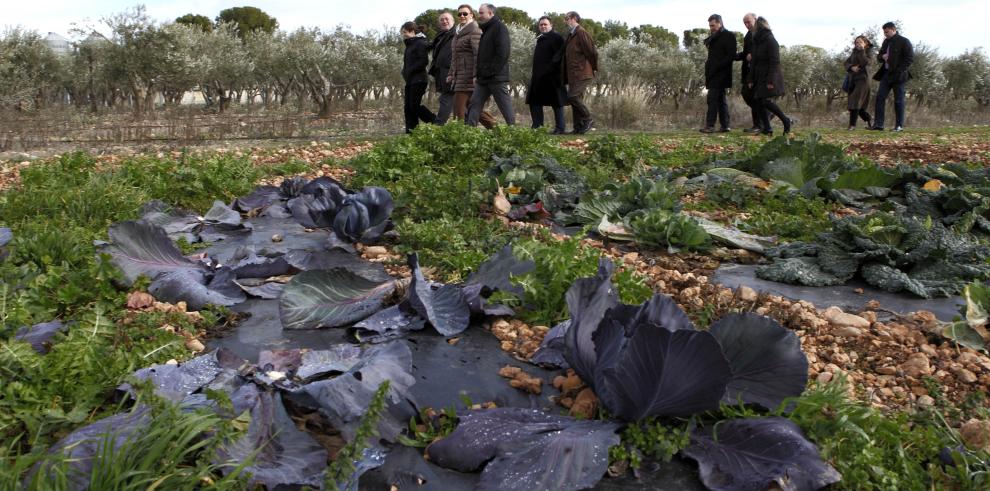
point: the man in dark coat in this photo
(546, 87)
(895, 58)
(440, 66)
(766, 79)
(721, 46)
(580, 66)
(746, 57)
(491, 72)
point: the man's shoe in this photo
(897, 129)
(876, 128)
(558, 131)
(725, 130)
(707, 129)
(586, 127)
(755, 129)
(787, 125)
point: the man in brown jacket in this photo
(580, 65)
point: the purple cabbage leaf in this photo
(525, 449)
(767, 363)
(314, 299)
(757, 454)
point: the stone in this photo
(824, 377)
(916, 365)
(585, 405)
(848, 332)
(887, 370)
(975, 434)
(965, 375)
(887, 393)
(928, 350)
(926, 401)
(195, 345)
(747, 294)
(919, 390)
(838, 318)
(630, 257)
(139, 300)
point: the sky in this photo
(827, 24)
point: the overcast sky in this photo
(953, 26)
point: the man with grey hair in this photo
(746, 56)
(491, 71)
(580, 64)
(440, 66)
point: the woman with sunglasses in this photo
(464, 47)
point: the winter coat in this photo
(766, 65)
(747, 50)
(440, 65)
(580, 56)
(464, 54)
(721, 53)
(493, 53)
(860, 96)
(546, 87)
(899, 62)
(416, 58)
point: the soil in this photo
(891, 152)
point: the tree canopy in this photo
(248, 19)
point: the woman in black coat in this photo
(545, 86)
(417, 57)
(856, 65)
(766, 79)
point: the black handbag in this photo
(847, 84)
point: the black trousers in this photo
(718, 106)
(765, 107)
(854, 113)
(414, 109)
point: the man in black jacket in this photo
(491, 72)
(895, 58)
(721, 46)
(440, 66)
(746, 57)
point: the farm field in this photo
(632, 311)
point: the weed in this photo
(340, 472)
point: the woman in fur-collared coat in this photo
(856, 66)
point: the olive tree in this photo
(523, 42)
(28, 68)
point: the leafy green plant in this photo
(659, 227)
(873, 450)
(430, 427)
(624, 153)
(558, 264)
(653, 438)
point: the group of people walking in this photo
(763, 79)
(470, 65)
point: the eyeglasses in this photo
(463, 14)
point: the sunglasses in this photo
(463, 14)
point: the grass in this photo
(437, 176)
